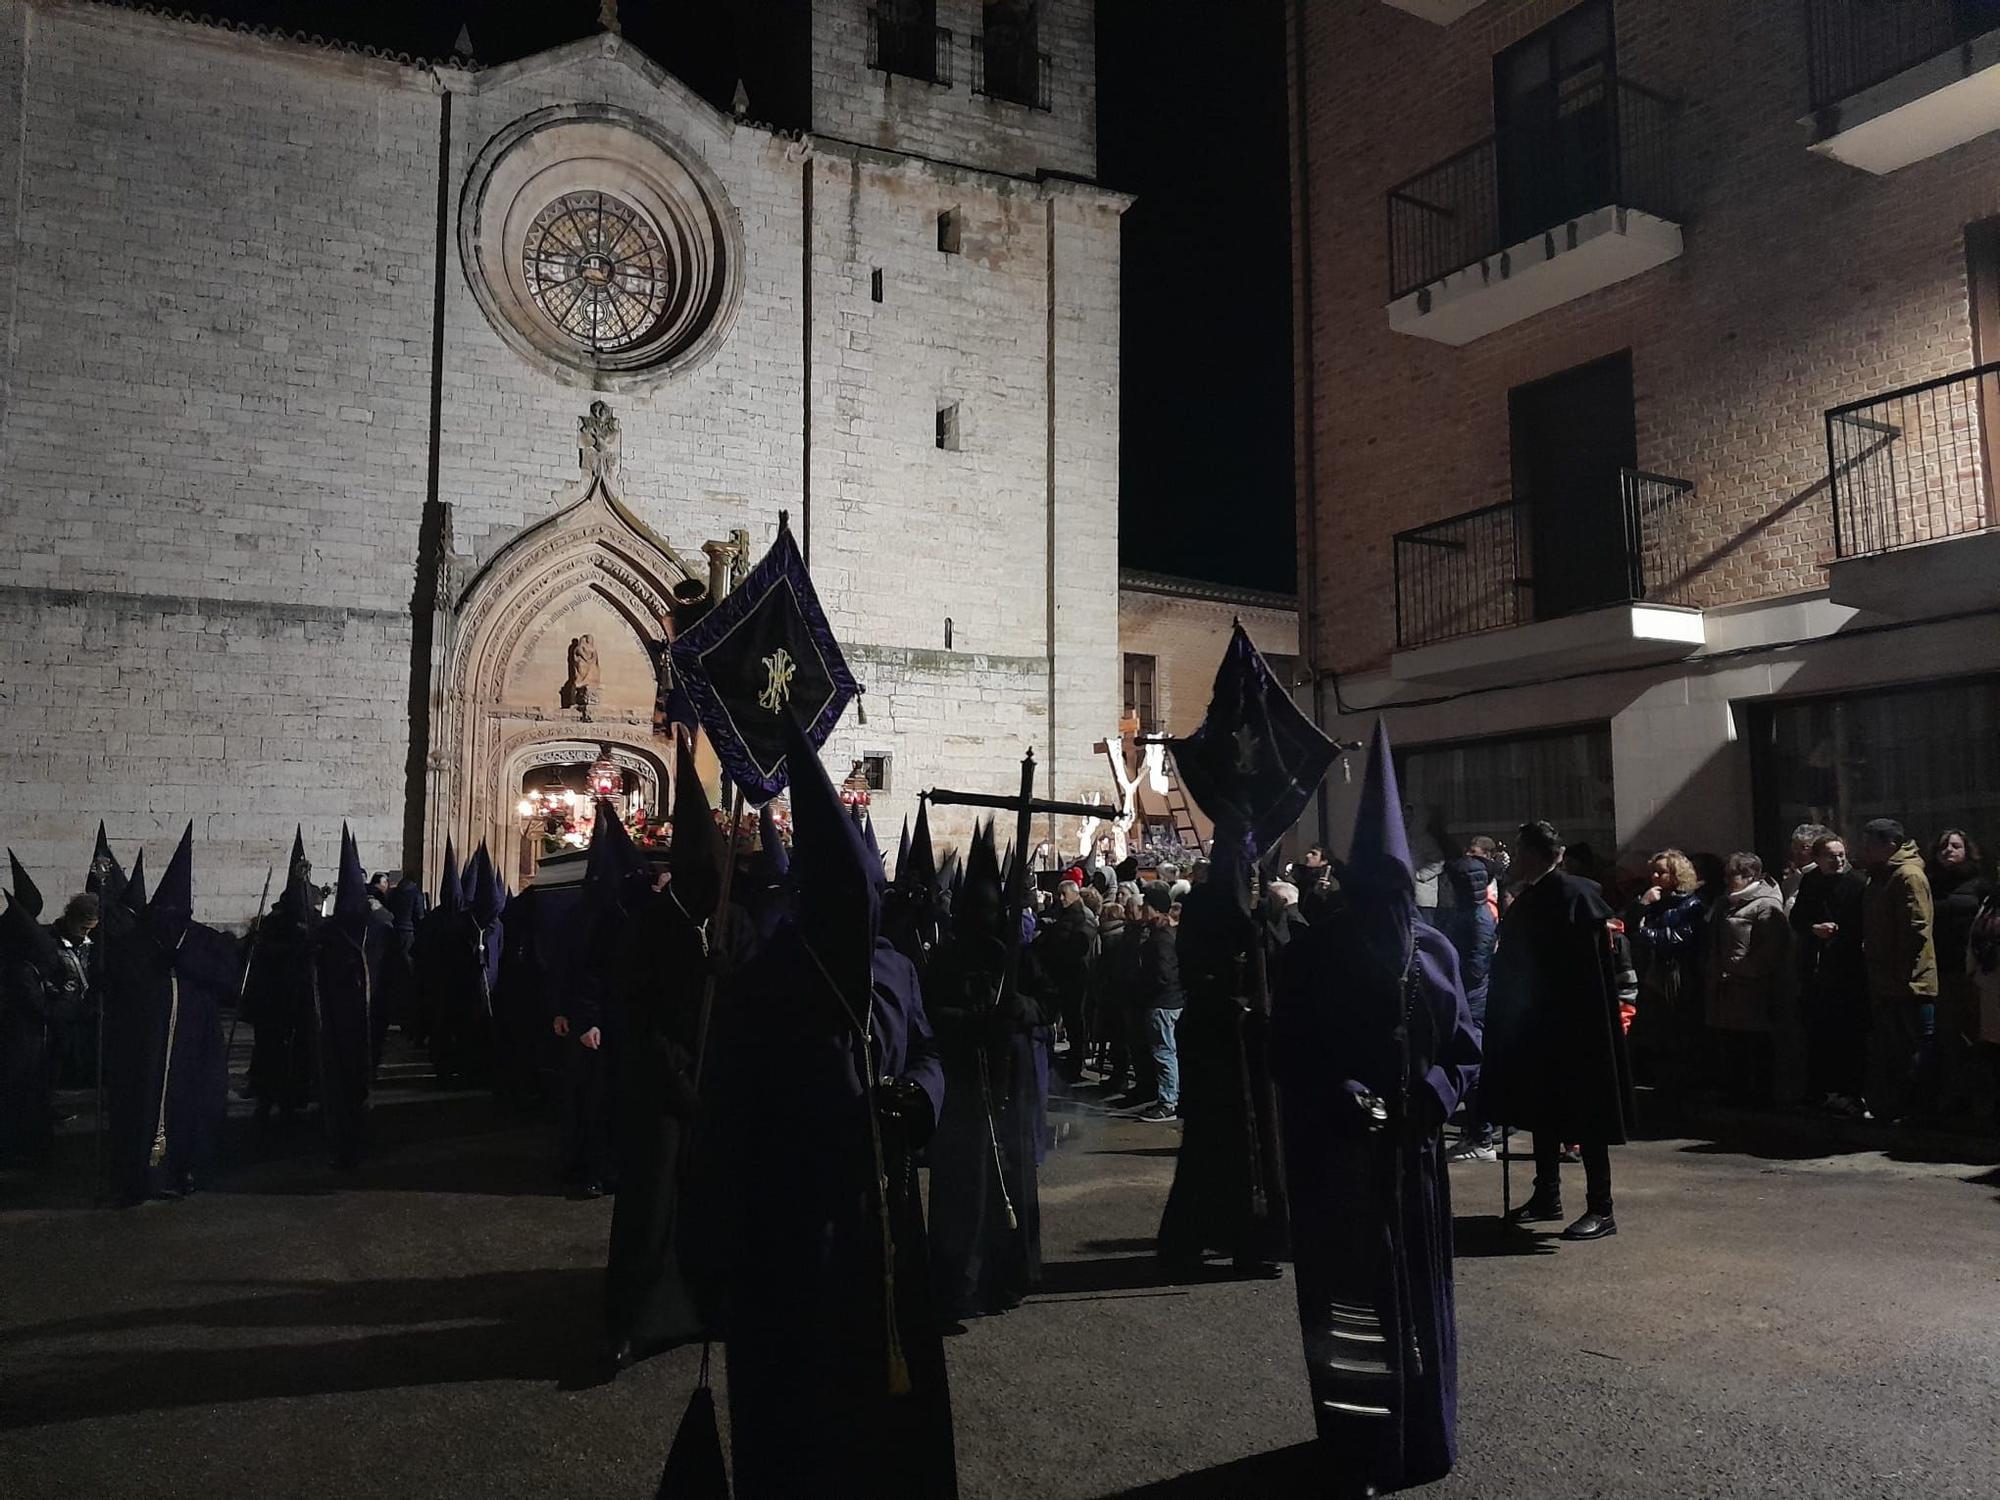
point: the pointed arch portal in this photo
(505, 702)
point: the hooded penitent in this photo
(451, 888)
(1373, 1047)
(1228, 1196)
(278, 992)
(133, 898)
(696, 856)
(164, 1061)
(349, 1000)
(30, 975)
(839, 900)
(985, 1204)
(106, 879)
(824, 1083)
(654, 984)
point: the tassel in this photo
(899, 1368)
(694, 1468)
(860, 707)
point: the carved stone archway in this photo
(592, 563)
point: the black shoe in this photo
(1592, 1226)
(1537, 1210)
(584, 1192)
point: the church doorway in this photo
(554, 662)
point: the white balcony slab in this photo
(1930, 108)
(1623, 635)
(1444, 12)
(1584, 255)
(1930, 578)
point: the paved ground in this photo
(1772, 1321)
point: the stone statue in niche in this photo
(597, 441)
(581, 688)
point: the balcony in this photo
(1536, 216)
(1915, 527)
(913, 49)
(1891, 84)
(1469, 609)
(1011, 71)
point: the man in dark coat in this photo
(278, 994)
(31, 983)
(1229, 1191)
(1556, 1059)
(657, 967)
(164, 1064)
(823, 1084)
(348, 999)
(1373, 1046)
(986, 1233)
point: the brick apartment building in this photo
(1649, 412)
(287, 327)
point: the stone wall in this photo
(1804, 284)
(215, 427)
(950, 122)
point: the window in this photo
(596, 266)
(1139, 701)
(875, 285)
(948, 231)
(1454, 792)
(1927, 756)
(874, 769)
(1554, 121)
(947, 428)
(1008, 61)
(904, 37)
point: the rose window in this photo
(598, 269)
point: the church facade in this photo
(362, 419)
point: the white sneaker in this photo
(1473, 1151)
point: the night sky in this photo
(1191, 118)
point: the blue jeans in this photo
(1160, 1026)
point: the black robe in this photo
(454, 971)
(31, 982)
(278, 1004)
(785, 1239)
(163, 1055)
(1229, 1185)
(654, 975)
(1556, 1058)
(983, 1155)
(350, 1000)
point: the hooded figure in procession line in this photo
(1373, 1046)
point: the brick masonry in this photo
(1804, 284)
(215, 425)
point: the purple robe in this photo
(1370, 1198)
(784, 1240)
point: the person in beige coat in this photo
(1749, 973)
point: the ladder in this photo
(1185, 829)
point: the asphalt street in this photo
(1776, 1318)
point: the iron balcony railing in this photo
(915, 49)
(1010, 70)
(1914, 465)
(1855, 44)
(1610, 143)
(1475, 572)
